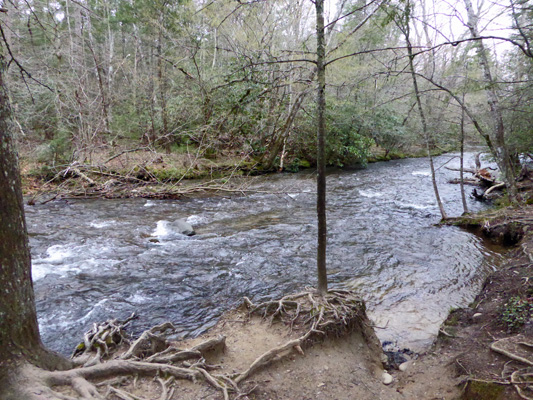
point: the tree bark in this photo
(462, 127)
(321, 157)
(19, 331)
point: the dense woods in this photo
(228, 77)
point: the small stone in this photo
(403, 366)
(477, 315)
(387, 378)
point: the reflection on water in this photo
(93, 260)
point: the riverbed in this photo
(100, 259)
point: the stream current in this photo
(100, 259)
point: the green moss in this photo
(502, 202)
(476, 390)
(474, 304)
(452, 320)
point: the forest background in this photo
(234, 80)
(203, 87)
(231, 83)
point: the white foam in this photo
(417, 206)
(102, 224)
(56, 254)
(138, 298)
(149, 203)
(421, 173)
(370, 194)
(86, 317)
(39, 271)
(196, 219)
(161, 229)
(413, 206)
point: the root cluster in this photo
(107, 356)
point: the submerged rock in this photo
(183, 227)
(395, 356)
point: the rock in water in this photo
(183, 227)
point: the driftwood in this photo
(481, 177)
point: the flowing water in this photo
(97, 259)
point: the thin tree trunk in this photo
(498, 130)
(214, 64)
(463, 196)
(162, 89)
(423, 118)
(321, 157)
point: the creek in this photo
(100, 259)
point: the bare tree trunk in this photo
(321, 157)
(462, 127)
(422, 115)
(215, 49)
(162, 88)
(404, 26)
(498, 131)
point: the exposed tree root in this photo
(317, 316)
(106, 353)
(516, 348)
(519, 349)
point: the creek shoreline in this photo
(467, 336)
(463, 355)
(158, 175)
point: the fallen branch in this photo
(145, 148)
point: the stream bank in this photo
(478, 343)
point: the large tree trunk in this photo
(19, 332)
(321, 157)
(18, 329)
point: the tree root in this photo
(106, 353)
(316, 315)
(518, 349)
